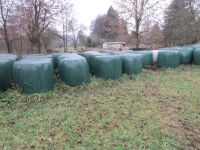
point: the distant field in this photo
(154, 110)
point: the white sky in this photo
(87, 10)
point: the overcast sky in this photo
(87, 10)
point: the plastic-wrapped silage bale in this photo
(74, 71)
(90, 56)
(196, 56)
(34, 76)
(131, 63)
(6, 70)
(186, 55)
(169, 59)
(147, 57)
(108, 67)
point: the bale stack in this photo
(74, 70)
(108, 67)
(34, 75)
(131, 63)
(6, 70)
(169, 59)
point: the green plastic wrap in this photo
(34, 76)
(108, 67)
(147, 57)
(6, 70)
(169, 59)
(55, 59)
(30, 56)
(132, 63)
(196, 56)
(90, 56)
(186, 55)
(74, 71)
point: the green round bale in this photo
(89, 55)
(196, 56)
(131, 63)
(186, 55)
(169, 59)
(34, 76)
(74, 71)
(147, 57)
(6, 70)
(108, 67)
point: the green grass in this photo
(154, 110)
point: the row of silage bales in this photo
(73, 69)
(34, 73)
(6, 70)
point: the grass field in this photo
(154, 110)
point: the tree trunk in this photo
(137, 34)
(6, 38)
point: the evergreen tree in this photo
(181, 23)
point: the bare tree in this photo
(66, 15)
(5, 12)
(134, 12)
(76, 31)
(35, 17)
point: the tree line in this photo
(32, 26)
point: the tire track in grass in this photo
(179, 125)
